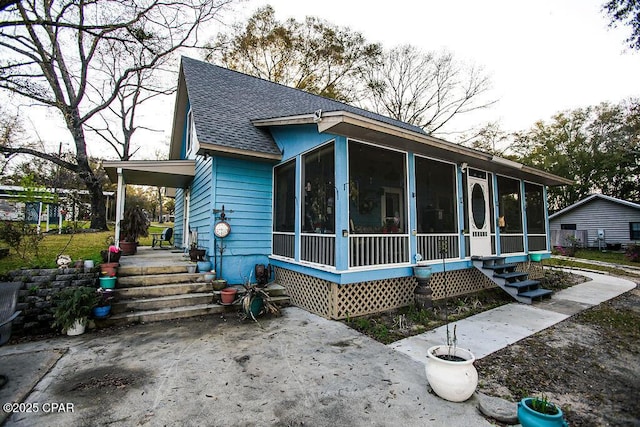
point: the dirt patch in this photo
(397, 324)
(107, 380)
(588, 364)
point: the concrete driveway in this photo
(294, 370)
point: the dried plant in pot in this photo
(134, 225)
(449, 368)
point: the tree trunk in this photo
(91, 181)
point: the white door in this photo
(478, 203)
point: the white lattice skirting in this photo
(334, 301)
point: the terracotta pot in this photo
(109, 269)
(228, 295)
(128, 248)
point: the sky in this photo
(542, 56)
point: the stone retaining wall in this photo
(35, 296)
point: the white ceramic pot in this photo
(77, 328)
(451, 380)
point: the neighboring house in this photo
(598, 221)
(20, 203)
(339, 200)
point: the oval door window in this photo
(478, 207)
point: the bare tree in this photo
(117, 123)
(426, 89)
(77, 56)
(314, 55)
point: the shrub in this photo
(633, 253)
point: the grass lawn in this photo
(607, 256)
(85, 246)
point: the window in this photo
(377, 190)
(318, 194)
(568, 227)
(634, 230)
(191, 132)
(436, 196)
(509, 204)
(534, 198)
(284, 199)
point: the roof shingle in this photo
(224, 103)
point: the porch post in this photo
(298, 215)
(461, 212)
(342, 203)
(119, 205)
(525, 229)
(496, 212)
(546, 216)
(413, 209)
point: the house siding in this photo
(599, 214)
(178, 226)
(245, 189)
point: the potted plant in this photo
(540, 412)
(256, 301)
(134, 225)
(449, 368)
(73, 305)
(103, 304)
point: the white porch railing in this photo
(378, 249)
(318, 248)
(284, 244)
(429, 245)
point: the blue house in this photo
(341, 202)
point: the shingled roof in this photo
(225, 102)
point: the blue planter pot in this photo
(204, 266)
(422, 272)
(530, 418)
(100, 312)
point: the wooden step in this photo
(536, 293)
(156, 303)
(137, 270)
(512, 275)
(162, 290)
(159, 279)
(524, 284)
(162, 314)
(499, 266)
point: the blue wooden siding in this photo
(178, 231)
(200, 215)
(245, 189)
(295, 140)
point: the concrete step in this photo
(159, 279)
(137, 270)
(162, 314)
(157, 303)
(152, 291)
(170, 313)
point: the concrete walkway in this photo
(297, 369)
(495, 329)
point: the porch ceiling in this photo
(157, 173)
